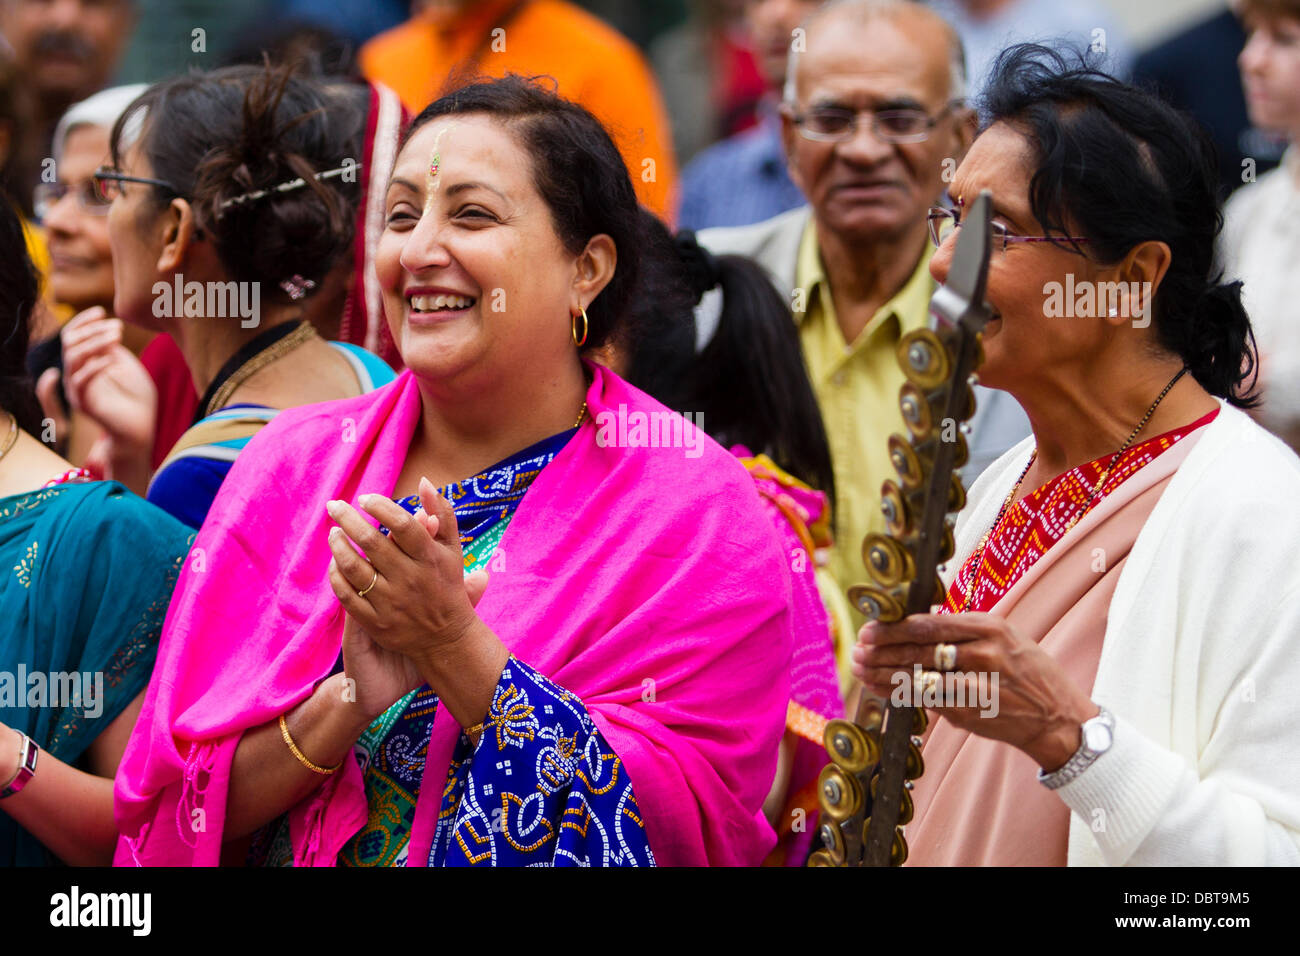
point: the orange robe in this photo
(591, 62)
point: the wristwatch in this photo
(27, 752)
(1098, 735)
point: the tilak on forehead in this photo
(431, 180)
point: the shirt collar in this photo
(910, 305)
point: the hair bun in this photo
(244, 132)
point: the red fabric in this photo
(1037, 521)
(363, 320)
(177, 400)
(69, 477)
(740, 85)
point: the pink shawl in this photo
(647, 582)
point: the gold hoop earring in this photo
(579, 340)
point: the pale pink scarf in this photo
(979, 802)
(647, 582)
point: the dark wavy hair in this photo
(749, 381)
(579, 174)
(1122, 166)
(19, 288)
(218, 135)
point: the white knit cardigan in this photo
(1200, 662)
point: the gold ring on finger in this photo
(945, 657)
(370, 585)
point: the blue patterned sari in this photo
(540, 787)
(86, 573)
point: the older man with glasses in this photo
(874, 124)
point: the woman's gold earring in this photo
(579, 340)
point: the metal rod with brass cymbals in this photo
(865, 792)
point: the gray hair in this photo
(101, 109)
(869, 10)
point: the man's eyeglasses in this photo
(943, 222)
(835, 124)
(47, 195)
(108, 183)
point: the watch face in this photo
(1096, 736)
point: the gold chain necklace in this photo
(582, 413)
(1096, 489)
(261, 360)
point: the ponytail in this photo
(741, 368)
(750, 378)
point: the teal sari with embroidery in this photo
(86, 573)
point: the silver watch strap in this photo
(1082, 759)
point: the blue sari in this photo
(86, 573)
(540, 787)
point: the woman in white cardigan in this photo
(1115, 662)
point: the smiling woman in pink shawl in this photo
(614, 694)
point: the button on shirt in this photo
(857, 388)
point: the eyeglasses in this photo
(835, 124)
(108, 183)
(47, 195)
(943, 222)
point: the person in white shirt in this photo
(1261, 236)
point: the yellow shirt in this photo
(857, 389)
(40, 256)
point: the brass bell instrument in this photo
(865, 791)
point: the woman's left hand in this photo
(417, 600)
(1010, 688)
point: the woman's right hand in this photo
(381, 677)
(104, 380)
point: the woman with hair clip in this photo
(1115, 665)
(348, 307)
(219, 237)
(734, 360)
(86, 572)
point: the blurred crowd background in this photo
(717, 63)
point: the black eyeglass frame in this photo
(107, 174)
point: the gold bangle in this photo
(323, 771)
(471, 731)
